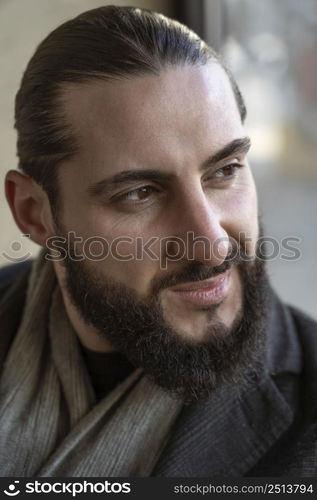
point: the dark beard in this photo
(137, 328)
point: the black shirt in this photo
(106, 369)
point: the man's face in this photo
(163, 157)
(162, 161)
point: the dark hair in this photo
(104, 43)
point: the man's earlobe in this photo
(28, 203)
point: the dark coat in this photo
(269, 430)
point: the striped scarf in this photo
(50, 422)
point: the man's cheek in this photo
(244, 228)
(135, 274)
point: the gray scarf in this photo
(50, 422)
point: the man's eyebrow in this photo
(241, 145)
(106, 186)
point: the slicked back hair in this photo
(105, 43)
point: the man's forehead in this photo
(128, 97)
(180, 116)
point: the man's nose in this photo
(200, 227)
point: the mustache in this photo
(197, 271)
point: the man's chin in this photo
(198, 326)
(201, 323)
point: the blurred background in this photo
(271, 48)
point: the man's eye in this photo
(140, 194)
(228, 171)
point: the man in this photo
(145, 340)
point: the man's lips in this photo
(205, 292)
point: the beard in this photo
(137, 329)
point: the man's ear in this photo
(30, 206)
